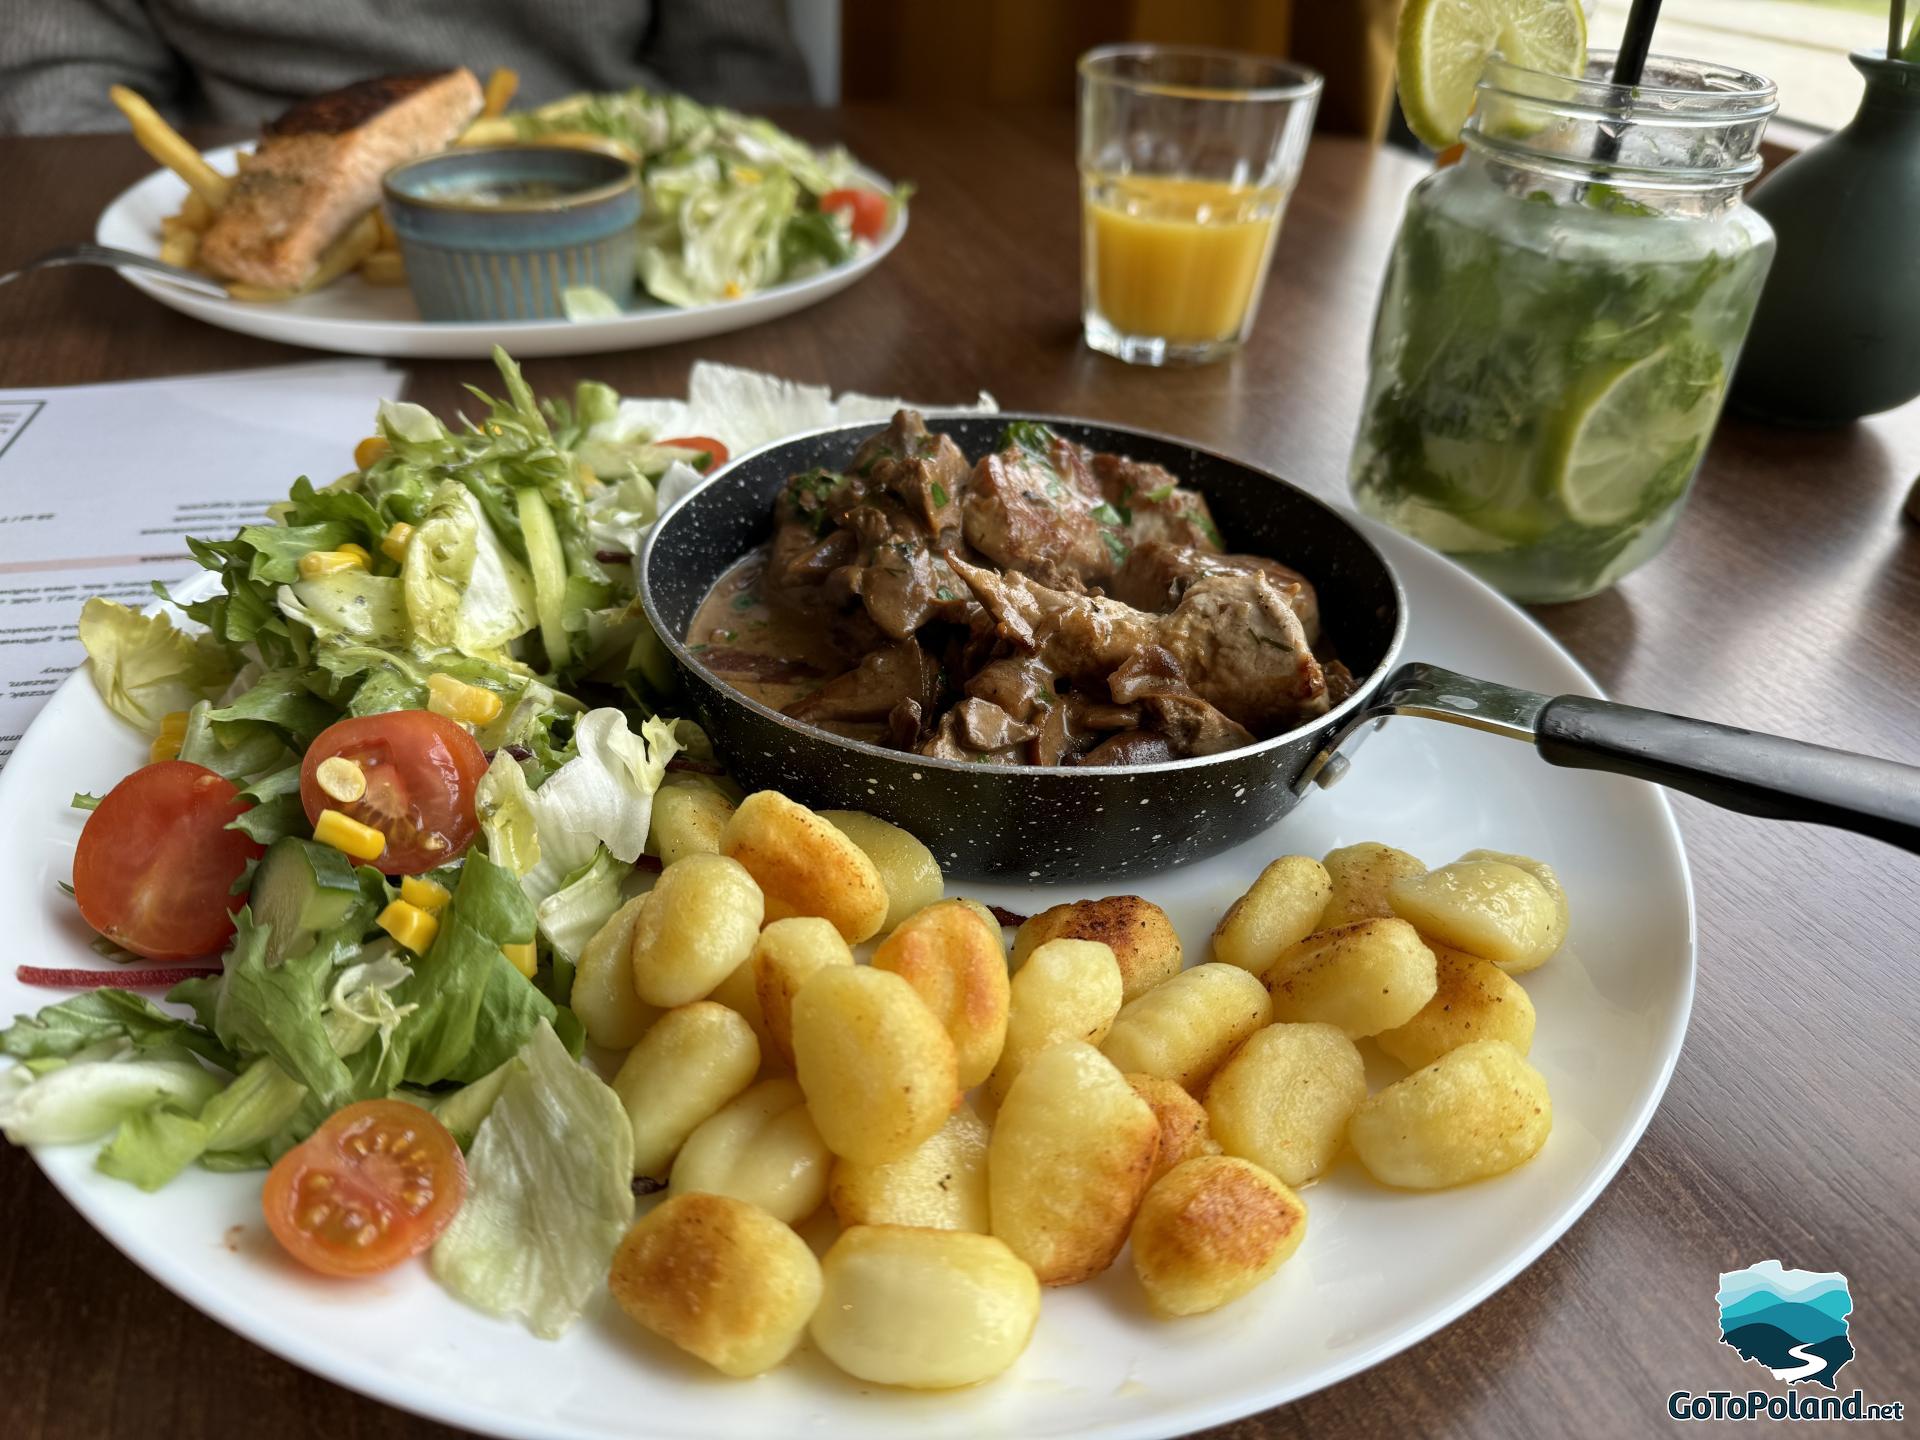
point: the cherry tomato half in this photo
(867, 209)
(375, 1185)
(715, 452)
(155, 867)
(421, 770)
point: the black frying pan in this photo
(1106, 822)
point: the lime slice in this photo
(1630, 437)
(1444, 44)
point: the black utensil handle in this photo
(1764, 775)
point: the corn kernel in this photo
(359, 552)
(340, 779)
(349, 836)
(393, 544)
(410, 925)
(458, 700)
(318, 563)
(370, 452)
(522, 956)
(429, 895)
(173, 731)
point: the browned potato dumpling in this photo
(907, 868)
(876, 1065)
(610, 1009)
(720, 1278)
(692, 1061)
(1477, 1000)
(761, 1147)
(805, 866)
(687, 820)
(1144, 943)
(1210, 1230)
(1284, 1099)
(1182, 1030)
(1488, 908)
(1360, 875)
(1071, 1155)
(958, 968)
(1067, 990)
(1544, 873)
(1478, 1110)
(927, 1309)
(940, 1184)
(1281, 909)
(1184, 1128)
(785, 957)
(738, 994)
(1365, 977)
(700, 921)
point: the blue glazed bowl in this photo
(499, 234)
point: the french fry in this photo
(181, 248)
(501, 85)
(337, 259)
(170, 148)
(388, 240)
(489, 130)
(384, 267)
(196, 213)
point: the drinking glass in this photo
(1187, 157)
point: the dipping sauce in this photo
(766, 654)
(1177, 259)
(501, 192)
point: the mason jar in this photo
(1560, 320)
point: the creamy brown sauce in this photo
(765, 654)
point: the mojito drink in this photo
(1547, 370)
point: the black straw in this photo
(1634, 45)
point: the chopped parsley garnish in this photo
(939, 493)
(1209, 529)
(746, 600)
(696, 649)
(943, 593)
(1110, 515)
(1160, 493)
(1116, 547)
(1029, 435)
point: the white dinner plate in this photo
(364, 319)
(1378, 1271)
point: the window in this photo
(1801, 45)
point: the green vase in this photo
(1837, 334)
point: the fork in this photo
(87, 254)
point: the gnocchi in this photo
(1210, 1230)
(1365, 977)
(940, 1184)
(1488, 908)
(1184, 1128)
(1476, 1000)
(875, 1064)
(1067, 990)
(694, 1060)
(1182, 1030)
(1284, 1099)
(720, 1278)
(738, 994)
(1281, 909)
(805, 866)
(700, 921)
(761, 1147)
(1144, 943)
(610, 1009)
(687, 820)
(1071, 1154)
(784, 958)
(907, 868)
(1478, 1110)
(958, 968)
(1360, 875)
(926, 1309)
(1544, 873)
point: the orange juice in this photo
(1176, 259)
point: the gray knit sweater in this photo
(242, 61)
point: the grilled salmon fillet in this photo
(318, 169)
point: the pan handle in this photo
(1764, 775)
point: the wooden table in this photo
(1790, 601)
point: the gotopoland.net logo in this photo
(1792, 1323)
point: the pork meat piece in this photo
(318, 170)
(1155, 509)
(1158, 573)
(925, 472)
(1033, 507)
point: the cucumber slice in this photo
(549, 565)
(301, 889)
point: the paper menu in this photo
(100, 485)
